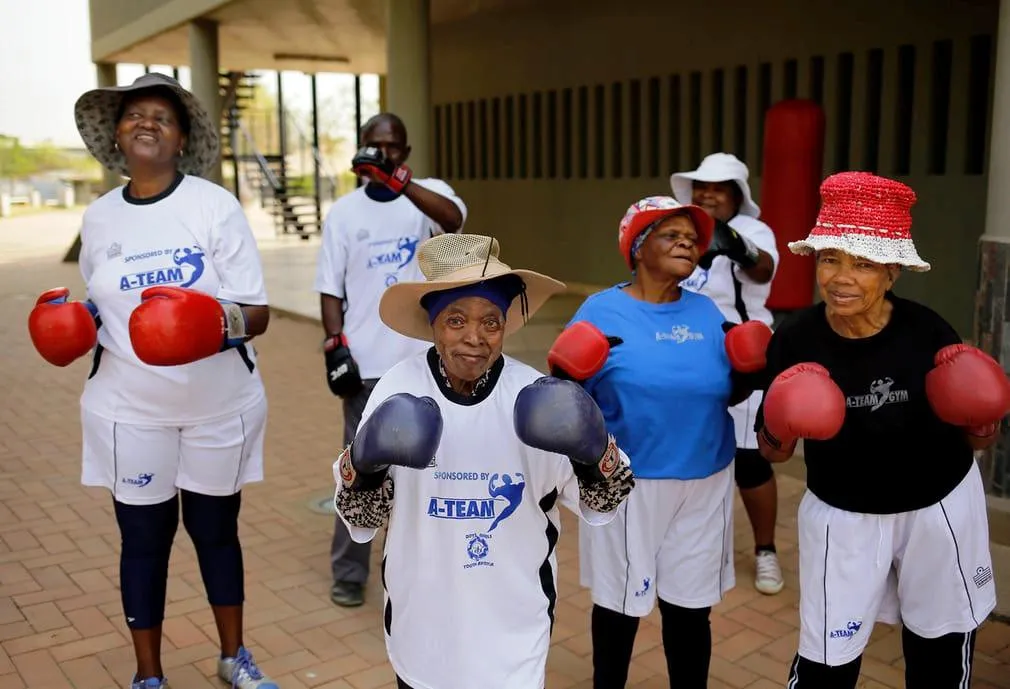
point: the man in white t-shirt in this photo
(736, 273)
(370, 241)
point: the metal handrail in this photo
(323, 167)
(260, 160)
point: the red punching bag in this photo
(790, 184)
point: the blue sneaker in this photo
(242, 672)
(149, 683)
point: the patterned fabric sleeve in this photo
(366, 509)
(607, 494)
(364, 503)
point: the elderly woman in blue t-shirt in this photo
(665, 385)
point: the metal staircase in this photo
(295, 206)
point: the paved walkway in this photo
(60, 620)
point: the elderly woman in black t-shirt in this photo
(890, 405)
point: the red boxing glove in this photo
(969, 389)
(175, 325)
(802, 402)
(746, 346)
(62, 331)
(371, 163)
(580, 352)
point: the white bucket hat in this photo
(455, 260)
(717, 167)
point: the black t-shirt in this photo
(893, 454)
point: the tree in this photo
(16, 162)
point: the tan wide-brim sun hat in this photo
(454, 260)
(95, 113)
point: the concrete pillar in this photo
(992, 327)
(998, 202)
(107, 76)
(408, 76)
(204, 69)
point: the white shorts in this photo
(670, 538)
(146, 465)
(929, 569)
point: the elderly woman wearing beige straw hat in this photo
(890, 404)
(466, 454)
(174, 402)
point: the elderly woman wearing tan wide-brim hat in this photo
(466, 454)
(173, 412)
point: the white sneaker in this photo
(241, 672)
(768, 577)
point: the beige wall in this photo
(567, 226)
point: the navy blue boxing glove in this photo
(559, 416)
(402, 431)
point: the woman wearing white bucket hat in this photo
(736, 272)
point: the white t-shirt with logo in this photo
(717, 284)
(367, 246)
(194, 235)
(470, 562)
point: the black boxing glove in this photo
(729, 243)
(371, 163)
(342, 373)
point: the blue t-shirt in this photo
(664, 391)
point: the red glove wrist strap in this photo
(334, 341)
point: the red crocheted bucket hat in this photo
(867, 216)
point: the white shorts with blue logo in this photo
(929, 569)
(147, 465)
(670, 538)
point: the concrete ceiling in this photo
(299, 35)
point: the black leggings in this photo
(147, 533)
(941, 663)
(687, 644)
